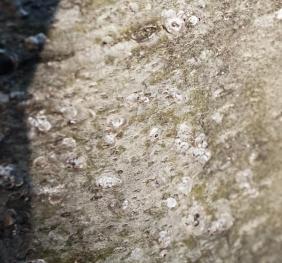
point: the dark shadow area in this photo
(18, 21)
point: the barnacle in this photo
(173, 22)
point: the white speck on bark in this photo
(185, 186)
(174, 23)
(217, 117)
(125, 204)
(164, 239)
(171, 202)
(137, 254)
(69, 143)
(108, 180)
(279, 14)
(155, 134)
(40, 122)
(193, 20)
(110, 139)
(116, 122)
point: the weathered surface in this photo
(158, 145)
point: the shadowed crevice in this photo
(18, 20)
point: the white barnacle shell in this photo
(173, 22)
(182, 146)
(185, 186)
(69, 112)
(193, 20)
(171, 202)
(116, 122)
(77, 162)
(43, 124)
(69, 143)
(201, 154)
(40, 122)
(137, 254)
(35, 42)
(178, 96)
(164, 239)
(132, 99)
(108, 180)
(154, 133)
(217, 117)
(201, 141)
(185, 132)
(110, 139)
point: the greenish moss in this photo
(97, 3)
(109, 60)
(198, 192)
(199, 100)
(224, 191)
(190, 242)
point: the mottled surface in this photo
(156, 144)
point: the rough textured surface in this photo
(149, 145)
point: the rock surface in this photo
(151, 146)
